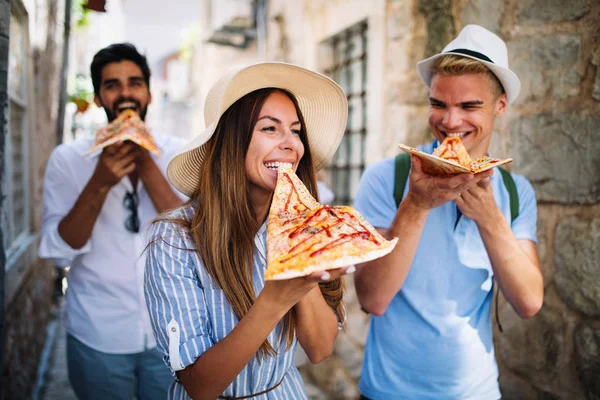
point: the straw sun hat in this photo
(322, 103)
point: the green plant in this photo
(79, 14)
(80, 91)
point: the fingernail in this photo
(325, 276)
(351, 270)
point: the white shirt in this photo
(106, 309)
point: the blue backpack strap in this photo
(401, 171)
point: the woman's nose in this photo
(290, 141)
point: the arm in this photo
(515, 262)
(214, 370)
(208, 368)
(162, 195)
(115, 162)
(317, 326)
(378, 281)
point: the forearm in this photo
(317, 326)
(378, 281)
(160, 192)
(76, 227)
(516, 272)
(216, 368)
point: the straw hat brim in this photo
(508, 79)
(322, 103)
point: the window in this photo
(15, 207)
(348, 55)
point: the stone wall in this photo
(26, 318)
(551, 132)
(29, 282)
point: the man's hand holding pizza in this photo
(115, 162)
(478, 204)
(427, 191)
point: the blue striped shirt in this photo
(190, 313)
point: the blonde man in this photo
(431, 335)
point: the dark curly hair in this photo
(116, 53)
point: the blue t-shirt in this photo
(435, 339)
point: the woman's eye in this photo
(296, 131)
(268, 129)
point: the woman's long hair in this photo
(224, 223)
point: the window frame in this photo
(350, 166)
(18, 243)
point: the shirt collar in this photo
(263, 228)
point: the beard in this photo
(112, 114)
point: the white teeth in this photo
(456, 134)
(275, 165)
(126, 105)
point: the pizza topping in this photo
(294, 191)
(305, 236)
(326, 227)
(453, 150)
(483, 162)
(451, 157)
(127, 126)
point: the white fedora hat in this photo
(478, 43)
(322, 102)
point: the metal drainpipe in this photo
(3, 128)
(62, 96)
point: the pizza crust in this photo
(305, 236)
(340, 263)
(433, 165)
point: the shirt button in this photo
(173, 329)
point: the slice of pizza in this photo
(451, 157)
(305, 236)
(484, 163)
(452, 149)
(127, 126)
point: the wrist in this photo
(413, 207)
(491, 219)
(270, 307)
(146, 167)
(99, 188)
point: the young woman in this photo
(224, 331)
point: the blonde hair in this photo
(224, 224)
(452, 65)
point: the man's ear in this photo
(97, 101)
(501, 104)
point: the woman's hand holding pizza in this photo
(288, 292)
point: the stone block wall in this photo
(27, 315)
